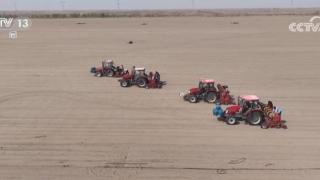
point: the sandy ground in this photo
(59, 122)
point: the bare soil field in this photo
(166, 13)
(58, 122)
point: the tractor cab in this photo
(136, 73)
(140, 71)
(207, 85)
(248, 102)
(107, 64)
(251, 101)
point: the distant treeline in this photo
(161, 13)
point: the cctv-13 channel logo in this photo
(13, 25)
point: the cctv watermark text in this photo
(310, 26)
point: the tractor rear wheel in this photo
(211, 97)
(255, 118)
(110, 73)
(193, 99)
(142, 82)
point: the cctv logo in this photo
(6, 23)
(310, 26)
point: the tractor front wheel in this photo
(231, 120)
(193, 99)
(211, 97)
(98, 74)
(124, 84)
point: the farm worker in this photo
(157, 77)
(270, 104)
(133, 71)
(218, 111)
(277, 110)
(150, 76)
(274, 108)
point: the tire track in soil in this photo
(214, 169)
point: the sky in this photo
(150, 4)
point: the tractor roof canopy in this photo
(107, 63)
(140, 69)
(207, 81)
(249, 97)
(206, 84)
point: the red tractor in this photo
(251, 110)
(248, 109)
(139, 77)
(108, 69)
(209, 93)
